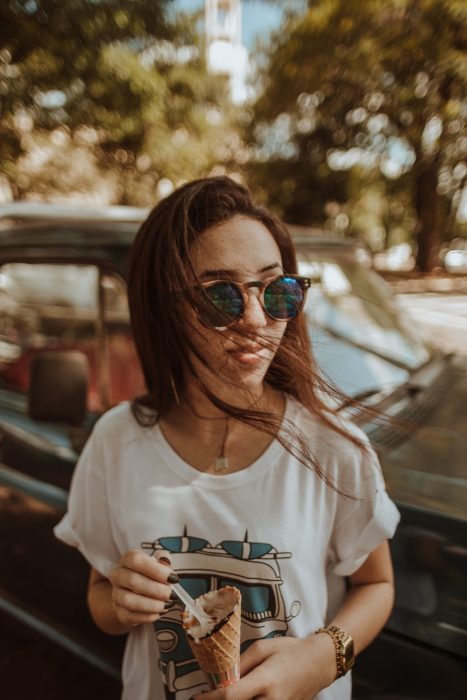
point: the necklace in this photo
(221, 463)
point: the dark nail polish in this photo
(173, 596)
(173, 578)
(165, 561)
(169, 604)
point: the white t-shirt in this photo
(275, 530)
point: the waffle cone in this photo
(219, 652)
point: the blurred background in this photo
(340, 115)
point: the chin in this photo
(252, 378)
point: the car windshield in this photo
(363, 341)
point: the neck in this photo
(244, 399)
(209, 439)
(197, 413)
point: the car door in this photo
(54, 306)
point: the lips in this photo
(250, 349)
(250, 354)
(262, 349)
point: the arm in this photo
(369, 600)
(288, 668)
(135, 593)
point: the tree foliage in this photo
(379, 86)
(121, 78)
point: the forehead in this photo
(239, 244)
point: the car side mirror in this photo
(58, 386)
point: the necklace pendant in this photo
(221, 464)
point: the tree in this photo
(117, 78)
(49, 51)
(379, 85)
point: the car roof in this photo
(37, 211)
(98, 233)
(67, 234)
(42, 225)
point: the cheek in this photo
(212, 345)
(279, 330)
(209, 342)
(275, 334)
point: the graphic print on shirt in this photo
(252, 567)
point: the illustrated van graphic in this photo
(252, 567)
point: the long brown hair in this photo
(160, 262)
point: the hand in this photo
(284, 668)
(140, 592)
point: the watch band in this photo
(343, 643)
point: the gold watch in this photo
(343, 642)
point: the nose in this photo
(253, 315)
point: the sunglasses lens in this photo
(283, 298)
(226, 302)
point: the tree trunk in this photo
(429, 208)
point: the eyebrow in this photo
(220, 274)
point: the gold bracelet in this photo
(344, 646)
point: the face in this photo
(241, 250)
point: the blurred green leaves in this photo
(365, 90)
(359, 124)
(114, 83)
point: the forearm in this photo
(364, 612)
(101, 608)
(367, 604)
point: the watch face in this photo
(344, 648)
(348, 653)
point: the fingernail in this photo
(173, 578)
(169, 604)
(165, 560)
(173, 596)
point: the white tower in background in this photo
(225, 51)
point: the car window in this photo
(125, 378)
(362, 338)
(353, 370)
(47, 307)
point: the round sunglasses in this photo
(281, 298)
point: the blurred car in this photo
(67, 355)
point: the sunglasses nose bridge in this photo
(253, 308)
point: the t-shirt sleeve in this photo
(365, 517)
(87, 525)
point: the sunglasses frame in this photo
(304, 282)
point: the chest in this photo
(240, 445)
(284, 510)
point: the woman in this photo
(231, 469)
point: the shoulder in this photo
(327, 432)
(118, 423)
(339, 446)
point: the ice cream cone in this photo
(218, 651)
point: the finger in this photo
(254, 656)
(133, 581)
(141, 562)
(251, 683)
(137, 603)
(246, 688)
(134, 618)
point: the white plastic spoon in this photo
(192, 605)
